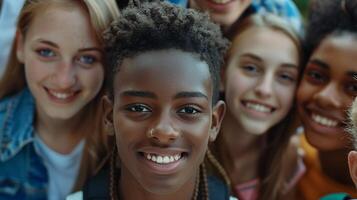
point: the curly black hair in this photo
(332, 17)
(158, 25)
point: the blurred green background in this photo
(303, 6)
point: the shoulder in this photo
(217, 189)
(284, 8)
(336, 196)
(75, 196)
(16, 123)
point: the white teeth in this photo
(324, 121)
(258, 107)
(61, 95)
(163, 159)
(220, 1)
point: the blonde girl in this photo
(51, 138)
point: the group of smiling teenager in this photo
(152, 102)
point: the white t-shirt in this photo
(62, 168)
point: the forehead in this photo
(169, 70)
(62, 22)
(338, 52)
(266, 43)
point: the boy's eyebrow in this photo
(190, 94)
(134, 93)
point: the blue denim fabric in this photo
(22, 172)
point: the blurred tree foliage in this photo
(303, 6)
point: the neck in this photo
(334, 164)
(238, 150)
(131, 189)
(60, 135)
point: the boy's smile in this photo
(162, 115)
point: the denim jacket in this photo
(22, 172)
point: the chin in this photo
(323, 143)
(256, 130)
(163, 188)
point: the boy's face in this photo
(163, 119)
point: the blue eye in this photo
(46, 53)
(250, 69)
(138, 108)
(287, 77)
(87, 59)
(189, 110)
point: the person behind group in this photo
(228, 13)
(50, 136)
(259, 80)
(326, 91)
(162, 104)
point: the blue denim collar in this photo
(16, 123)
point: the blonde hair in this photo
(102, 13)
(271, 167)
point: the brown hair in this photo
(271, 167)
(101, 14)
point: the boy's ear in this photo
(352, 164)
(217, 117)
(108, 115)
(19, 41)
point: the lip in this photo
(162, 168)
(221, 8)
(57, 100)
(254, 113)
(320, 128)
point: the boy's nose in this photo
(163, 132)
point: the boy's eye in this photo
(46, 53)
(87, 59)
(138, 108)
(189, 110)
